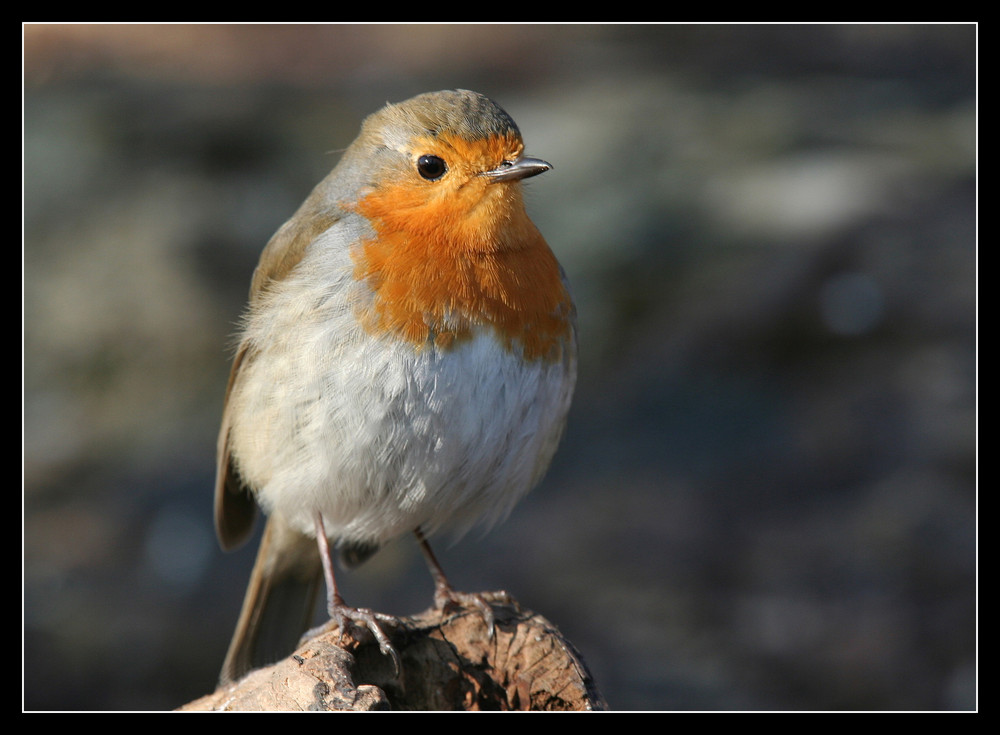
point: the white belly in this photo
(382, 437)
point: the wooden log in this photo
(448, 662)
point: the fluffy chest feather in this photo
(340, 409)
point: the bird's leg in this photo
(444, 593)
(340, 612)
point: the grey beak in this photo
(522, 168)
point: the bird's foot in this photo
(446, 598)
(363, 620)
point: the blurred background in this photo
(766, 496)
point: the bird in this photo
(405, 364)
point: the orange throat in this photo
(444, 264)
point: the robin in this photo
(405, 364)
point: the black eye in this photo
(431, 167)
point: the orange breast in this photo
(448, 259)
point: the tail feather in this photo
(280, 600)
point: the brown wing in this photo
(235, 508)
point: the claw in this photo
(364, 618)
(445, 594)
(342, 614)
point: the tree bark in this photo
(448, 662)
